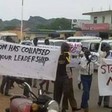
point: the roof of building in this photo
(98, 12)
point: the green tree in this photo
(9, 28)
(57, 24)
(61, 24)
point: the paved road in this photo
(93, 95)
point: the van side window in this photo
(103, 46)
(110, 45)
(94, 47)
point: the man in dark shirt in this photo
(62, 81)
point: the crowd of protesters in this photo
(63, 85)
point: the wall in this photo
(99, 19)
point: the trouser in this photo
(79, 78)
(34, 82)
(70, 97)
(86, 82)
(5, 85)
(61, 86)
(105, 100)
(45, 82)
(26, 89)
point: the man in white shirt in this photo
(86, 71)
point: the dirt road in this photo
(4, 100)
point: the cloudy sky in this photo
(71, 9)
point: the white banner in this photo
(105, 77)
(75, 49)
(28, 61)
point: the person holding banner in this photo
(35, 42)
(105, 99)
(61, 84)
(86, 71)
(46, 42)
(5, 85)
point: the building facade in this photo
(100, 24)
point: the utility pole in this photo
(22, 19)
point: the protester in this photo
(79, 81)
(46, 42)
(80, 56)
(5, 85)
(47, 86)
(86, 71)
(12, 83)
(35, 42)
(26, 89)
(105, 99)
(79, 75)
(70, 97)
(62, 81)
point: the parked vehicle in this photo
(75, 42)
(42, 103)
(95, 46)
(56, 42)
(53, 42)
(26, 42)
(10, 37)
(92, 45)
(80, 38)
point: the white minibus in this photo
(8, 36)
(95, 46)
(80, 38)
